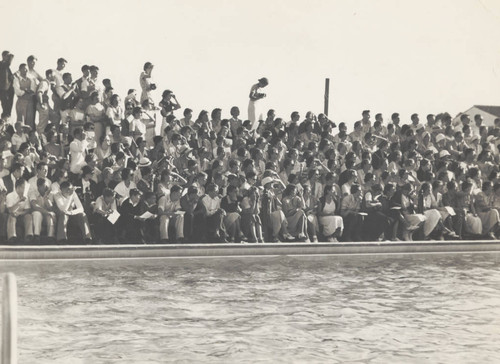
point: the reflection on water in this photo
(414, 309)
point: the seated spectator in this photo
(209, 217)
(428, 207)
(86, 189)
(18, 205)
(274, 220)
(350, 210)
(42, 205)
(104, 208)
(293, 208)
(483, 204)
(251, 224)
(331, 224)
(171, 215)
(232, 219)
(404, 200)
(70, 210)
(125, 186)
(376, 221)
(129, 224)
(149, 225)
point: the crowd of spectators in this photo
(80, 165)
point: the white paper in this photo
(147, 215)
(113, 217)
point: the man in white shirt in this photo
(33, 75)
(91, 84)
(123, 188)
(58, 78)
(77, 150)
(42, 170)
(66, 97)
(58, 72)
(18, 206)
(42, 204)
(24, 93)
(42, 98)
(70, 207)
(146, 82)
(35, 79)
(212, 226)
(169, 210)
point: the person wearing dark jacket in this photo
(6, 84)
(129, 223)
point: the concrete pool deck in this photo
(144, 251)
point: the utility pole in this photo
(327, 95)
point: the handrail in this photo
(9, 319)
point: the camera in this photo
(152, 86)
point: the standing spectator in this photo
(58, 72)
(90, 85)
(65, 98)
(146, 82)
(35, 79)
(6, 84)
(42, 101)
(254, 114)
(24, 93)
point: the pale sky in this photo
(387, 55)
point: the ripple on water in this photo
(437, 309)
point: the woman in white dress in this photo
(428, 206)
(331, 225)
(254, 115)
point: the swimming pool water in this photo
(399, 309)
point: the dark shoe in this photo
(12, 240)
(51, 241)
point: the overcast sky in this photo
(387, 55)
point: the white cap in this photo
(444, 153)
(440, 137)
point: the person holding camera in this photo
(146, 82)
(255, 95)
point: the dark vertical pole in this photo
(327, 95)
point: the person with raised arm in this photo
(254, 114)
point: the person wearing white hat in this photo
(444, 154)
